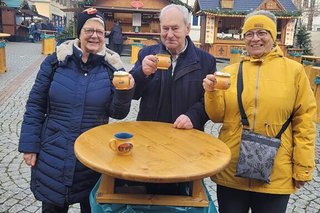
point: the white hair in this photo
(182, 9)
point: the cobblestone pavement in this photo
(23, 61)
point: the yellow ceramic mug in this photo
(121, 80)
(223, 81)
(163, 61)
(121, 143)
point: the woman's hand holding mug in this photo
(216, 81)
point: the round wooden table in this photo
(161, 154)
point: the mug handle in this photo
(112, 145)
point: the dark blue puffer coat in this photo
(61, 106)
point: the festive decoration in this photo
(136, 4)
(233, 13)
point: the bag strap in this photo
(244, 118)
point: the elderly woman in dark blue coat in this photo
(73, 92)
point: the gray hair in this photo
(264, 13)
(182, 9)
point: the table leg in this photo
(106, 186)
(197, 190)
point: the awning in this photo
(73, 9)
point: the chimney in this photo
(226, 4)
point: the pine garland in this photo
(243, 13)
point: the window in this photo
(195, 21)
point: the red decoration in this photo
(91, 11)
(137, 4)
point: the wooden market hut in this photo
(14, 16)
(222, 21)
(139, 18)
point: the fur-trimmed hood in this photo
(66, 49)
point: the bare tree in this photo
(309, 9)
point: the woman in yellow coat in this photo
(274, 87)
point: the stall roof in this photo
(13, 3)
(241, 7)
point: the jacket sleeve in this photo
(121, 103)
(196, 112)
(304, 130)
(215, 105)
(36, 110)
(140, 79)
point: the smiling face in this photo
(174, 30)
(258, 42)
(92, 37)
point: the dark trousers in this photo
(117, 48)
(50, 208)
(239, 201)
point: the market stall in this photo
(222, 21)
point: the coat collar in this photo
(68, 48)
(276, 52)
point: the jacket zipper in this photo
(255, 109)
(256, 99)
(67, 195)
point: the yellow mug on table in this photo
(121, 143)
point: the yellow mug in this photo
(121, 143)
(163, 61)
(223, 80)
(121, 80)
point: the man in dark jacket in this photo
(116, 38)
(174, 95)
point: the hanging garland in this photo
(281, 14)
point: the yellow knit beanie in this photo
(260, 21)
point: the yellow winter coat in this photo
(274, 88)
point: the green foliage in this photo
(180, 3)
(304, 40)
(67, 32)
(86, 3)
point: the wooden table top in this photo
(310, 56)
(161, 153)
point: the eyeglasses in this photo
(90, 31)
(261, 34)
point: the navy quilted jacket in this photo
(61, 106)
